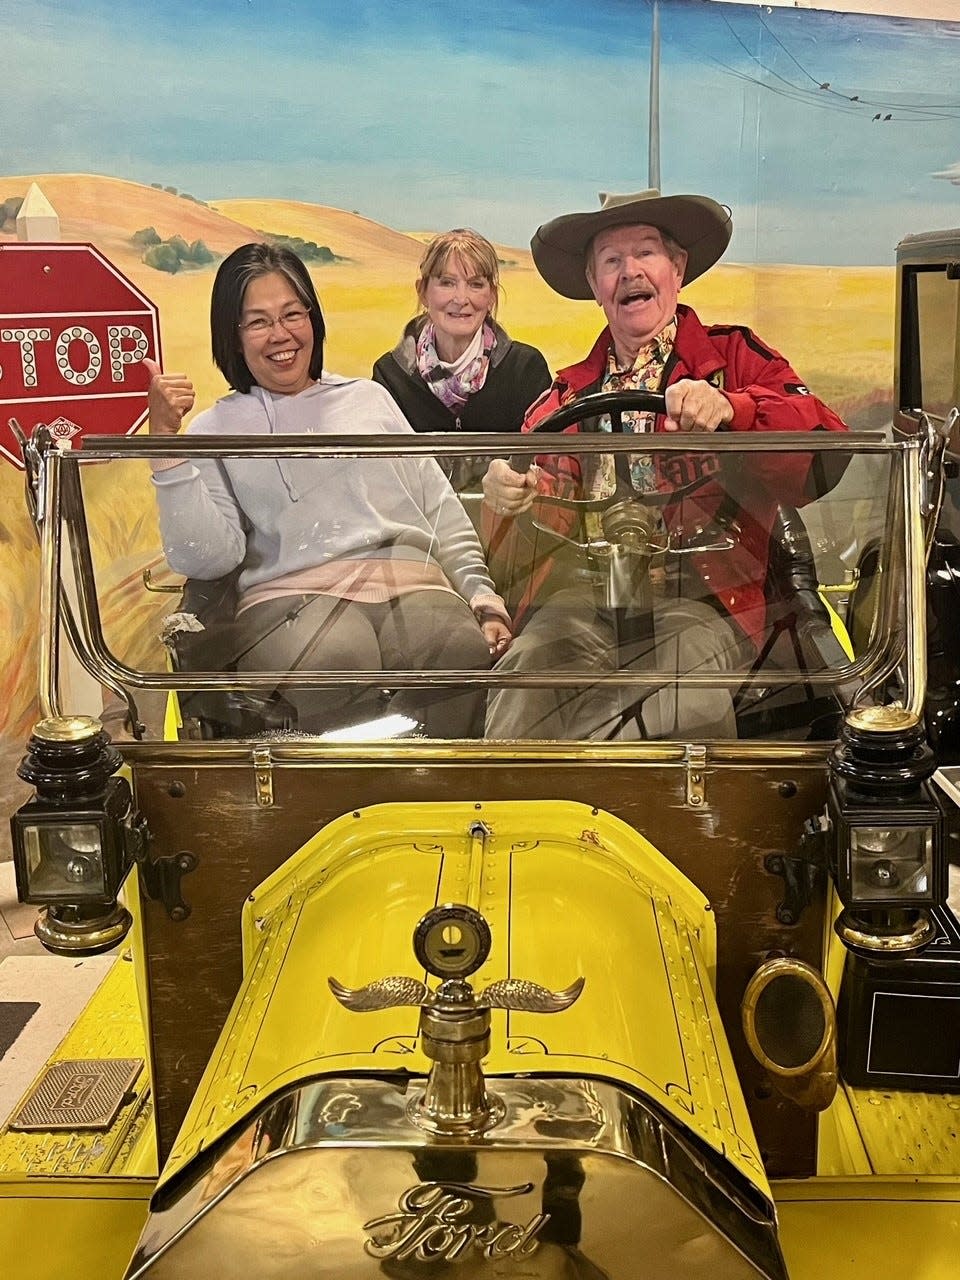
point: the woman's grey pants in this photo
(421, 631)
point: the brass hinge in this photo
(696, 758)
(263, 776)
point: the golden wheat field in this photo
(835, 324)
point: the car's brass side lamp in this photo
(885, 834)
(76, 839)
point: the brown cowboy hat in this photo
(697, 223)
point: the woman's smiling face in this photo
(457, 301)
(278, 353)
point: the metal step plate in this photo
(77, 1094)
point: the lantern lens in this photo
(64, 861)
(891, 863)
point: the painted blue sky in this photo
(500, 113)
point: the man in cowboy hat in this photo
(632, 256)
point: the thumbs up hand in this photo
(169, 397)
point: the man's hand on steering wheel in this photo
(509, 492)
(687, 405)
(696, 406)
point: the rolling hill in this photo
(349, 235)
(107, 211)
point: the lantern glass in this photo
(891, 863)
(64, 860)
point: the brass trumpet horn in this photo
(790, 1024)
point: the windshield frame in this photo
(57, 488)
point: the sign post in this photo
(74, 332)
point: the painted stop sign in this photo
(73, 335)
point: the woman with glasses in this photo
(455, 368)
(344, 564)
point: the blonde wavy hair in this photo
(475, 252)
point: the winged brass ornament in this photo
(510, 993)
(385, 993)
(452, 942)
(530, 997)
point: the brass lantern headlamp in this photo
(887, 839)
(75, 841)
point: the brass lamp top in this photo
(890, 719)
(67, 728)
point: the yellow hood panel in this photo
(568, 891)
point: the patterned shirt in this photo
(645, 374)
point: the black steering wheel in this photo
(616, 404)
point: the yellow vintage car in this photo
(627, 1002)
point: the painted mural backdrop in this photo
(169, 133)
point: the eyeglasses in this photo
(260, 326)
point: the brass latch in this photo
(263, 776)
(696, 758)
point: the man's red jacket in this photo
(766, 395)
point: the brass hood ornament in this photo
(451, 942)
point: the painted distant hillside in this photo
(107, 211)
(349, 235)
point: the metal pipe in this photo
(465, 444)
(105, 664)
(915, 620)
(653, 141)
(310, 751)
(48, 517)
(84, 631)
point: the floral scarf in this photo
(454, 384)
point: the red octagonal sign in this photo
(73, 336)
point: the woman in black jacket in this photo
(455, 368)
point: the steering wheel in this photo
(633, 519)
(616, 403)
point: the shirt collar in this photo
(657, 349)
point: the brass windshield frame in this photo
(60, 505)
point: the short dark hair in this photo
(226, 306)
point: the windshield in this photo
(928, 336)
(728, 587)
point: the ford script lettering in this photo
(430, 1225)
(76, 1092)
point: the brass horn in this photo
(790, 1024)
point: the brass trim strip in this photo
(217, 753)
(465, 444)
